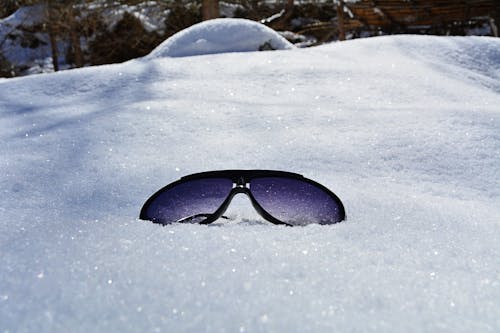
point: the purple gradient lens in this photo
(295, 201)
(192, 200)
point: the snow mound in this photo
(221, 36)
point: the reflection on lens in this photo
(295, 201)
(190, 201)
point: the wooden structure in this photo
(434, 16)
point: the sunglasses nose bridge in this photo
(240, 189)
(258, 208)
(240, 182)
(236, 190)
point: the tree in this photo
(340, 17)
(209, 9)
(62, 23)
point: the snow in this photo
(220, 36)
(404, 129)
(11, 33)
(151, 14)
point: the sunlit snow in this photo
(220, 36)
(405, 130)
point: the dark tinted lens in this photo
(190, 201)
(296, 202)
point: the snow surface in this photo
(11, 48)
(220, 36)
(405, 130)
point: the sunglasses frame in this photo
(240, 179)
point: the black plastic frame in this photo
(240, 179)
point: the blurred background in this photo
(46, 36)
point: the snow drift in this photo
(405, 130)
(220, 36)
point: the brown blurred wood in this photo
(77, 49)
(385, 13)
(280, 21)
(340, 19)
(209, 9)
(52, 32)
(75, 36)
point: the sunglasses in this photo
(279, 197)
